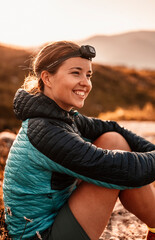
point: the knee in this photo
(111, 141)
(94, 191)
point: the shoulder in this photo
(46, 131)
(45, 123)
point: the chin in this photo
(79, 106)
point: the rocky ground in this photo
(122, 224)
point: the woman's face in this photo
(71, 84)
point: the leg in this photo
(141, 203)
(92, 205)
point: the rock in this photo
(7, 137)
(6, 140)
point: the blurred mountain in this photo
(113, 86)
(133, 49)
(14, 64)
(121, 87)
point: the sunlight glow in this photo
(31, 22)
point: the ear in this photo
(46, 77)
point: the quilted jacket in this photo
(54, 148)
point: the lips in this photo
(79, 92)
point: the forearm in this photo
(92, 128)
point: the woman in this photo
(65, 171)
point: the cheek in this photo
(63, 91)
(90, 87)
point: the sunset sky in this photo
(34, 22)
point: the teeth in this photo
(79, 93)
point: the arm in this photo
(83, 160)
(92, 128)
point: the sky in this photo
(34, 22)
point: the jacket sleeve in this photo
(92, 128)
(84, 160)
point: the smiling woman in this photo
(65, 171)
(64, 75)
(70, 86)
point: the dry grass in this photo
(5, 144)
(3, 155)
(147, 113)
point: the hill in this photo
(14, 65)
(113, 87)
(132, 49)
(122, 87)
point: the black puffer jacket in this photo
(62, 137)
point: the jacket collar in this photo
(27, 106)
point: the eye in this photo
(76, 73)
(89, 75)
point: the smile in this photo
(80, 93)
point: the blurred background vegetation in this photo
(119, 93)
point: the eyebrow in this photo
(79, 68)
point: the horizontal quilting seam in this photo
(84, 155)
(49, 103)
(58, 153)
(96, 158)
(68, 153)
(34, 129)
(129, 162)
(76, 160)
(139, 165)
(136, 163)
(99, 160)
(144, 165)
(50, 148)
(31, 104)
(54, 135)
(150, 164)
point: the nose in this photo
(85, 82)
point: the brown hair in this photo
(47, 55)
